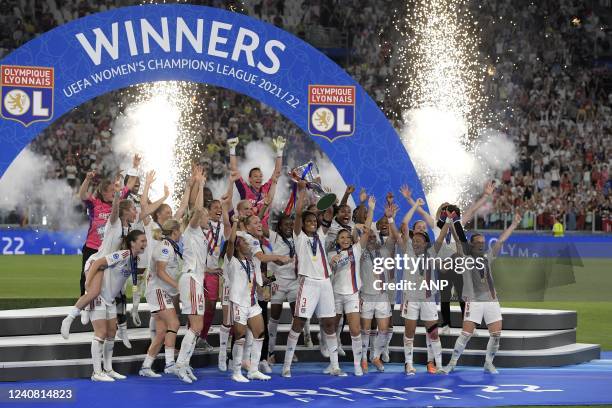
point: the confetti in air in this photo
(439, 81)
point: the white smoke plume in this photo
(450, 167)
(24, 185)
(495, 151)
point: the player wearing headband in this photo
(481, 298)
(315, 293)
(114, 269)
(345, 262)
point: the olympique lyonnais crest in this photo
(27, 93)
(331, 111)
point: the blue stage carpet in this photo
(589, 383)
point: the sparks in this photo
(440, 77)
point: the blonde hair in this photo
(189, 214)
(125, 205)
(166, 229)
(241, 203)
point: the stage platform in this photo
(32, 348)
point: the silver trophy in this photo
(306, 172)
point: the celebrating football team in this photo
(326, 260)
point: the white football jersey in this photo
(119, 269)
(346, 277)
(164, 252)
(215, 236)
(283, 247)
(312, 257)
(195, 251)
(244, 276)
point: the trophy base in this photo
(326, 201)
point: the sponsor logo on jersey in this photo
(115, 256)
(165, 251)
(26, 93)
(331, 111)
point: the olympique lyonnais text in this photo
(223, 40)
(26, 76)
(337, 95)
(410, 264)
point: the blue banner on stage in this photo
(16, 241)
(467, 387)
(24, 241)
(91, 56)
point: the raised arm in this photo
(415, 204)
(225, 208)
(229, 252)
(506, 234)
(350, 189)
(234, 175)
(149, 208)
(458, 242)
(405, 190)
(279, 144)
(185, 199)
(368, 222)
(196, 171)
(440, 240)
(116, 198)
(194, 222)
(200, 182)
(84, 189)
(488, 192)
(299, 207)
(232, 143)
(269, 198)
(132, 179)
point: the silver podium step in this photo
(32, 348)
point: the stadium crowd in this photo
(543, 83)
